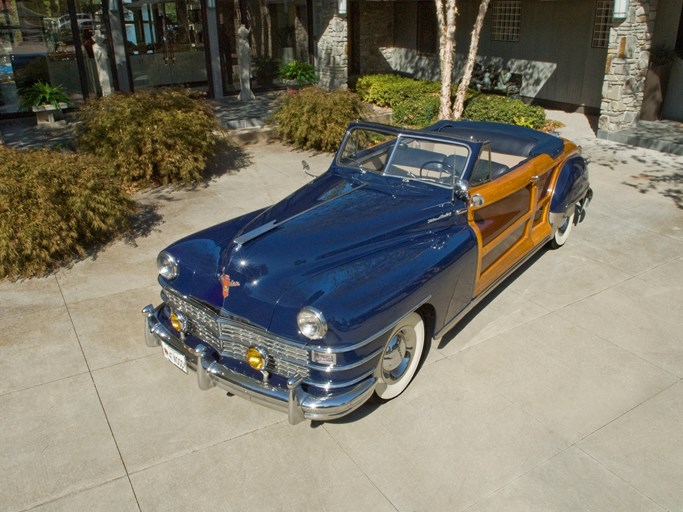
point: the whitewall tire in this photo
(401, 357)
(563, 231)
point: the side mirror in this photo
(462, 190)
(307, 169)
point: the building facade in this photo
(590, 55)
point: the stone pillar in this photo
(332, 58)
(628, 57)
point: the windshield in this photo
(405, 156)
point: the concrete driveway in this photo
(562, 392)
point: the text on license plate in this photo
(174, 356)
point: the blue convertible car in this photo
(332, 295)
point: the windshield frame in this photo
(376, 154)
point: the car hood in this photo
(333, 220)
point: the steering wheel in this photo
(438, 166)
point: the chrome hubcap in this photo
(398, 354)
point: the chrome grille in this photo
(232, 338)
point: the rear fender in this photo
(571, 185)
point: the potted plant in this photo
(44, 99)
(297, 74)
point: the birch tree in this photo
(459, 104)
(446, 12)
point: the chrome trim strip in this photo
(349, 348)
(329, 385)
(350, 366)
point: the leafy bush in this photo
(316, 119)
(302, 72)
(492, 107)
(417, 112)
(390, 90)
(156, 137)
(54, 206)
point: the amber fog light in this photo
(178, 321)
(257, 358)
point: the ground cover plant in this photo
(55, 206)
(151, 137)
(317, 119)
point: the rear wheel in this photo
(401, 357)
(563, 231)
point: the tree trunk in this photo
(446, 11)
(459, 104)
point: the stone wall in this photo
(627, 62)
(332, 59)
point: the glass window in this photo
(404, 156)
(165, 42)
(367, 150)
(427, 29)
(602, 23)
(38, 43)
(505, 20)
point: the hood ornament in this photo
(227, 283)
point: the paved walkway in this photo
(665, 136)
(246, 119)
(563, 392)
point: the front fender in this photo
(360, 299)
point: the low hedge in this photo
(317, 119)
(415, 103)
(390, 90)
(417, 112)
(152, 137)
(55, 206)
(492, 107)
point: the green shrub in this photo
(316, 119)
(417, 112)
(390, 90)
(156, 137)
(492, 107)
(53, 207)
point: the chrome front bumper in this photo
(297, 403)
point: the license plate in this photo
(174, 356)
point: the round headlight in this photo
(167, 266)
(311, 323)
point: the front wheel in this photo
(563, 231)
(401, 357)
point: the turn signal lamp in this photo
(257, 358)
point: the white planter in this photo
(45, 114)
